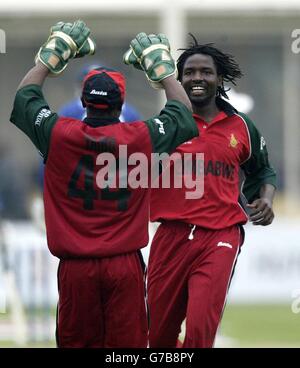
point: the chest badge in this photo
(233, 142)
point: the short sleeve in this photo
(172, 127)
(32, 115)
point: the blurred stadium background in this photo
(263, 308)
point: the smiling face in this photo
(200, 79)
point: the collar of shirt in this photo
(97, 122)
(221, 115)
(226, 110)
(225, 106)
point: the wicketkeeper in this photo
(97, 232)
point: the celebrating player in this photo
(97, 232)
(74, 108)
(195, 248)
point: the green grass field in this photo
(261, 326)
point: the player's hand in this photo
(64, 43)
(262, 213)
(88, 48)
(151, 53)
(129, 58)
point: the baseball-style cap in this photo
(103, 88)
(85, 70)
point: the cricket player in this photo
(97, 231)
(74, 108)
(195, 248)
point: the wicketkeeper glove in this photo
(89, 46)
(151, 53)
(66, 41)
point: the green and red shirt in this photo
(229, 142)
(83, 220)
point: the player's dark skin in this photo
(200, 81)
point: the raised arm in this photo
(151, 53)
(36, 75)
(31, 112)
(174, 91)
(66, 41)
(175, 123)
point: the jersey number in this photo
(89, 194)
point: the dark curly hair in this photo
(226, 66)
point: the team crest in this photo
(233, 141)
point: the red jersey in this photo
(228, 142)
(84, 219)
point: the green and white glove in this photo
(65, 42)
(151, 53)
(89, 46)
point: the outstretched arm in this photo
(175, 123)
(31, 112)
(66, 41)
(151, 53)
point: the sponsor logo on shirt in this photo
(161, 126)
(43, 114)
(262, 143)
(221, 244)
